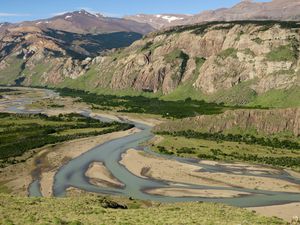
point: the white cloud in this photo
(12, 14)
(106, 14)
(58, 13)
(110, 14)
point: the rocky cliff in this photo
(231, 62)
(280, 122)
(251, 58)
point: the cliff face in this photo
(265, 122)
(242, 59)
(213, 57)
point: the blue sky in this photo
(19, 10)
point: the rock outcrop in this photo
(214, 57)
(230, 62)
(280, 122)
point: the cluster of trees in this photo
(164, 151)
(15, 139)
(283, 161)
(186, 150)
(2, 90)
(248, 139)
(142, 104)
(199, 29)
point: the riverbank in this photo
(238, 175)
(177, 173)
(286, 211)
(187, 192)
(48, 160)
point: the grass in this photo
(282, 53)
(174, 56)
(79, 131)
(89, 210)
(12, 72)
(240, 94)
(4, 189)
(224, 151)
(150, 46)
(36, 73)
(281, 98)
(186, 90)
(230, 52)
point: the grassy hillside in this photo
(96, 210)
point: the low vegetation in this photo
(21, 132)
(141, 104)
(282, 53)
(201, 28)
(248, 139)
(97, 210)
(177, 54)
(230, 52)
(229, 148)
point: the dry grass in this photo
(88, 210)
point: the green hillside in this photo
(96, 210)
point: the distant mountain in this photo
(159, 21)
(245, 10)
(84, 22)
(34, 52)
(251, 10)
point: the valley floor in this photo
(88, 209)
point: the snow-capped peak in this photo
(171, 18)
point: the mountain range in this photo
(84, 22)
(235, 62)
(245, 10)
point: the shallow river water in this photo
(73, 173)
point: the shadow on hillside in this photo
(141, 104)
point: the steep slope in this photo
(251, 10)
(31, 55)
(84, 22)
(279, 122)
(245, 10)
(238, 62)
(232, 62)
